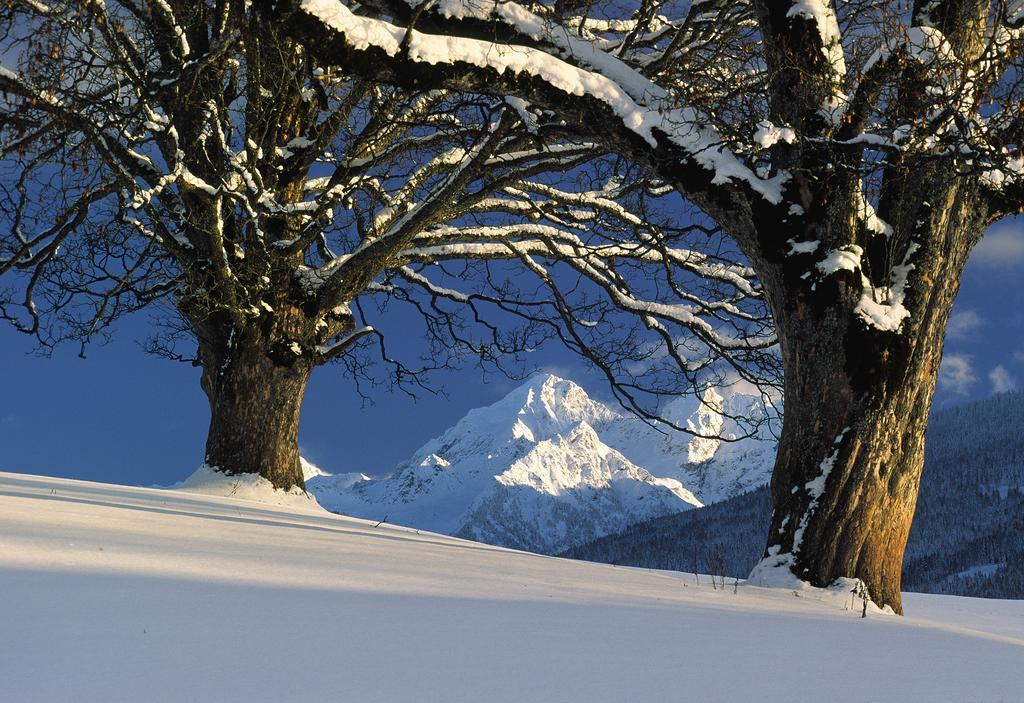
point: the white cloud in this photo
(731, 380)
(963, 322)
(1002, 380)
(956, 374)
(1018, 356)
(1002, 246)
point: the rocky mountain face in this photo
(548, 467)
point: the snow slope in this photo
(118, 594)
(547, 467)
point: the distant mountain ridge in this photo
(548, 467)
(966, 537)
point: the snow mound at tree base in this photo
(210, 481)
(846, 593)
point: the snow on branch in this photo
(642, 107)
(829, 39)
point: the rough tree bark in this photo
(851, 451)
(254, 379)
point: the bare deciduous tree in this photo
(856, 158)
(190, 152)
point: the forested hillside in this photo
(966, 537)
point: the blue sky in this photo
(985, 339)
(124, 416)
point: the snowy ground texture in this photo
(112, 593)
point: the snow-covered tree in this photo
(187, 152)
(855, 151)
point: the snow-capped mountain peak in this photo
(547, 467)
(435, 462)
(706, 425)
(547, 405)
(328, 483)
(579, 458)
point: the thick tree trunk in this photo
(255, 383)
(849, 461)
(857, 399)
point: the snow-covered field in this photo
(110, 593)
